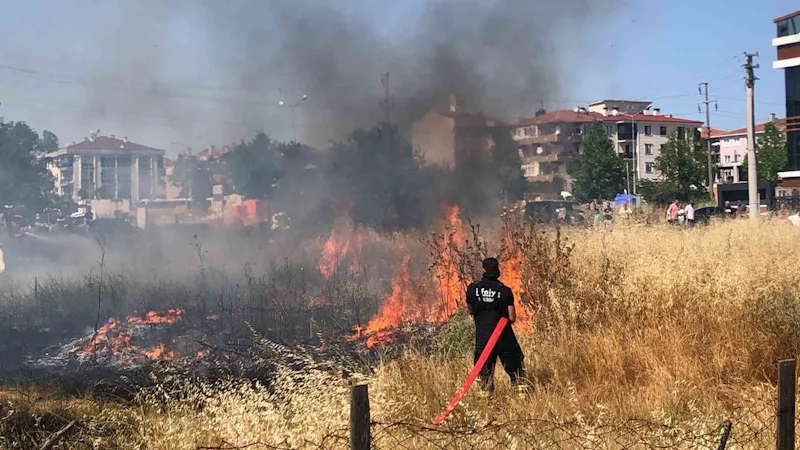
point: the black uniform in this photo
(489, 300)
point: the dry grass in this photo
(660, 336)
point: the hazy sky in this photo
(175, 73)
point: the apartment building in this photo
(732, 149)
(787, 43)
(548, 141)
(110, 174)
(448, 138)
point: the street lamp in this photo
(294, 126)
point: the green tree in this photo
(377, 173)
(24, 177)
(254, 166)
(598, 173)
(505, 162)
(773, 156)
(683, 165)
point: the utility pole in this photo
(387, 99)
(708, 138)
(752, 161)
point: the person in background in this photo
(598, 216)
(489, 300)
(783, 212)
(741, 209)
(608, 216)
(625, 211)
(672, 213)
(689, 211)
(727, 208)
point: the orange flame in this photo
(108, 337)
(404, 305)
(511, 276)
(450, 287)
(203, 352)
(160, 353)
(338, 245)
(153, 317)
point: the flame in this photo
(213, 317)
(338, 245)
(160, 353)
(393, 310)
(107, 337)
(511, 276)
(446, 274)
(405, 304)
(203, 352)
(153, 317)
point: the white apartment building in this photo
(110, 174)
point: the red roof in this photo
(109, 143)
(788, 16)
(564, 115)
(570, 116)
(780, 123)
(714, 132)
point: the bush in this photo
(456, 338)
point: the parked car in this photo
(704, 215)
(555, 212)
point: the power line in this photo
(59, 77)
(744, 100)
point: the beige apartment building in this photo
(548, 141)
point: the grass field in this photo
(644, 337)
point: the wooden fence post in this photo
(359, 418)
(787, 380)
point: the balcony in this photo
(548, 178)
(551, 138)
(547, 158)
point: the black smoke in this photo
(502, 57)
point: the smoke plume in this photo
(502, 57)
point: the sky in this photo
(169, 77)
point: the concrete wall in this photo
(106, 209)
(433, 135)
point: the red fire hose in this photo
(472, 375)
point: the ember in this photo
(122, 343)
(160, 353)
(153, 317)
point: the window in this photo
(663, 131)
(609, 130)
(736, 157)
(727, 158)
(628, 153)
(648, 167)
(648, 130)
(625, 131)
(681, 132)
(108, 180)
(648, 149)
(789, 26)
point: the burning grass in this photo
(645, 336)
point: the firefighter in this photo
(488, 300)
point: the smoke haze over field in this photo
(213, 72)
